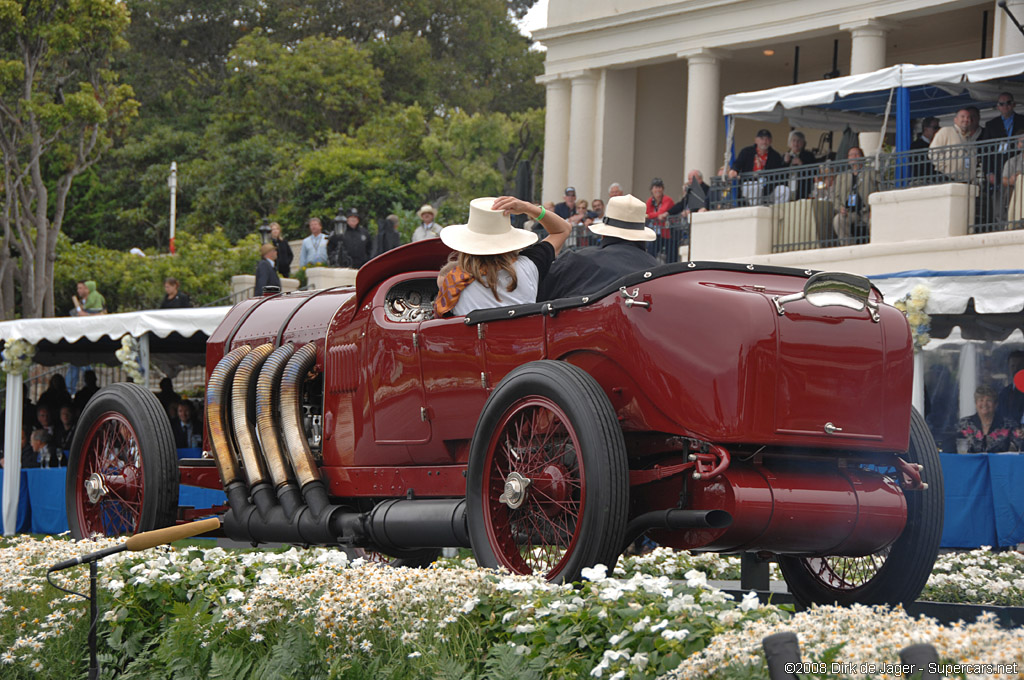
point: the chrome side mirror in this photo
(828, 289)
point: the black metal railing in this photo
(826, 204)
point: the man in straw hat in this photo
(621, 251)
(429, 228)
(266, 270)
(496, 264)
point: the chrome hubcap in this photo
(515, 490)
(95, 488)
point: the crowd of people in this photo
(49, 424)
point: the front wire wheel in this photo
(122, 473)
(548, 480)
(895, 574)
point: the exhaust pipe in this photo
(269, 439)
(255, 515)
(675, 519)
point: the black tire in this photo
(573, 512)
(896, 574)
(123, 440)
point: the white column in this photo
(12, 457)
(616, 130)
(556, 139)
(968, 376)
(867, 54)
(1006, 38)
(917, 394)
(582, 134)
(703, 110)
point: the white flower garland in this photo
(912, 305)
(129, 357)
(17, 356)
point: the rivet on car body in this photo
(647, 275)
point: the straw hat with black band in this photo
(624, 217)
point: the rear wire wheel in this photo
(548, 482)
(122, 473)
(898, 572)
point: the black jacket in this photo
(691, 201)
(266, 275)
(284, 256)
(591, 269)
(180, 301)
(994, 128)
(745, 160)
(351, 248)
(387, 239)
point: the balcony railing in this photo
(827, 204)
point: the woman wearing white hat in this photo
(496, 264)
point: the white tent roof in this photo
(993, 292)
(823, 92)
(159, 322)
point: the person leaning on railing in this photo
(959, 164)
(850, 198)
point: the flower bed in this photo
(313, 613)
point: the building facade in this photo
(634, 89)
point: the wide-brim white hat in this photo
(488, 232)
(624, 217)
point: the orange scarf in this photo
(451, 287)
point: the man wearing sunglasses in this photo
(1007, 124)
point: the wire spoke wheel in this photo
(898, 572)
(547, 486)
(536, 522)
(123, 468)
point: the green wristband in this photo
(543, 211)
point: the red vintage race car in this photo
(715, 407)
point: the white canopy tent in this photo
(866, 101)
(166, 335)
(967, 308)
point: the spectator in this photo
(1010, 402)
(167, 395)
(55, 396)
(983, 432)
(266, 271)
(428, 228)
(83, 395)
(958, 164)
(174, 299)
(1007, 124)
(497, 264)
(614, 189)
(352, 246)
(314, 246)
(754, 158)
(28, 454)
(387, 236)
(596, 210)
(579, 218)
(42, 445)
(66, 431)
(850, 198)
(1013, 200)
(620, 252)
(186, 434)
(45, 420)
(695, 196)
(922, 166)
(88, 300)
(658, 204)
(567, 207)
(802, 183)
(284, 250)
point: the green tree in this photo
(60, 107)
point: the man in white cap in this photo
(429, 228)
(621, 251)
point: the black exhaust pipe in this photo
(675, 519)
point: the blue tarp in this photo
(984, 505)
